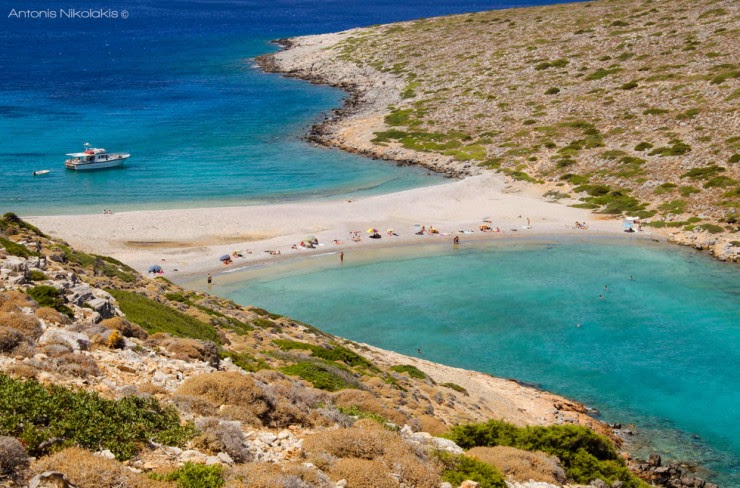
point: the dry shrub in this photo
(362, 441)
(13, 300)
(219, 435)
(125, 327)
(27, 324)
(268, 475)
(10, 339)
(521, 465)
(89, 471)
(367, 402)
(433, 425)
(50, 315)
(148, 388)
(244, 400)
(22, 370)
(368, 441)
(77, 365)
(191, 349)
(363, 473)
(14, 459)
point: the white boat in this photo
(41, 172)
(94, 158)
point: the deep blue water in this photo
(661, 350)
(174, 85)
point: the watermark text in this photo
(68, 13)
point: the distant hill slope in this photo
(627, 107)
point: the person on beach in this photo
(210, 278)
(341, 257)
(456, 240)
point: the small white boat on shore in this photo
(94, 158)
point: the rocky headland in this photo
(627, 107)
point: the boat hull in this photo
(109, 163)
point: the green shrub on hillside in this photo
(584, 454)
(36, 413)
(157, 317)
(15, 249)
(10, 219)
(321, 376)
(459, 467)
(333, 354)
(410, 370)
(48, 296)
(192, 475)
(100, 265)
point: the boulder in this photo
(76, 340)
(102, 306)
(80, 294)
(654, 459)
(15, 263)
(51, 479)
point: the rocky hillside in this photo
(109, 379)
(626, 107)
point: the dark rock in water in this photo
(654, 459)
(671, 476)
(616, 426)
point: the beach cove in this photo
(188, 243)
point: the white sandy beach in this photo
(189, 242)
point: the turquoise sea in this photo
(660, 351)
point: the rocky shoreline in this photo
(369, 92)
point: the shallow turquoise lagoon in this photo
(661, 350)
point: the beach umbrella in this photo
(225, 257)
(309, 239)
(154, 268)
(372, 230)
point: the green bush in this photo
(720, 182)
(10, 219)
(244, 361)
(36, 275)
(262, 312)
(195, 476)
(456, 387)
(584, 454)
(712, 228)
(553, 90)
(665, 188)
(100, 265)
(15, 249)
(157, 317)
(678, 148)
(458, 468)
(355, 411)
(48, 296)
(703, 173)
(643, 146)
(674, 206)
(36, 413)
(410, 370)
(321, 376)
(336, 353)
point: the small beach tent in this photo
(154, 268)
(225, 257)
